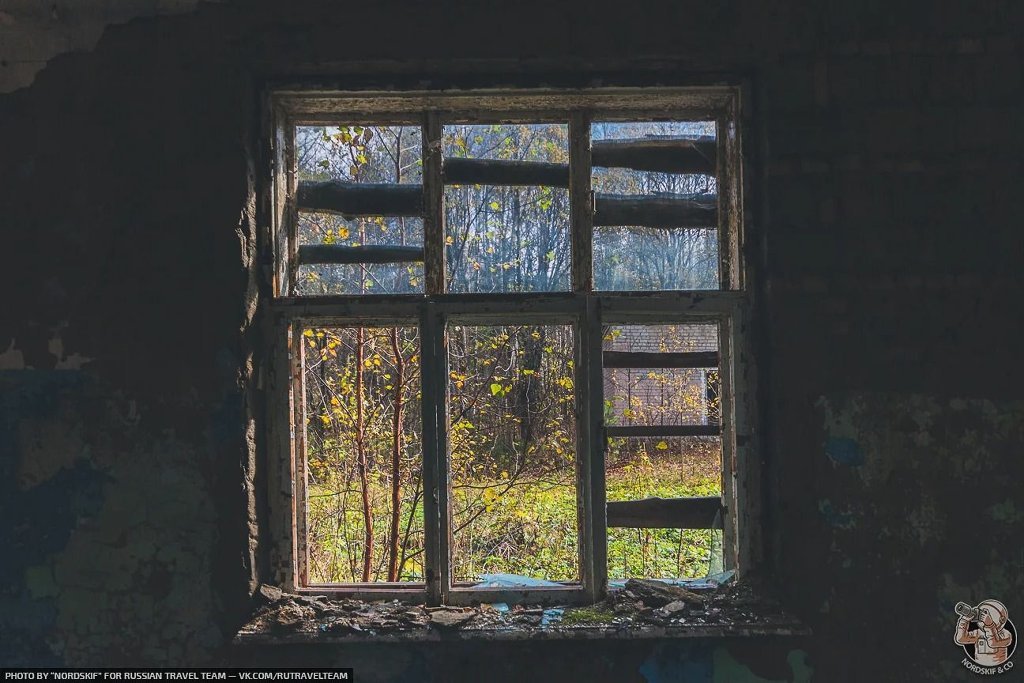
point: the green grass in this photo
(528, 529)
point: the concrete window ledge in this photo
(246, 637)
(636, 614)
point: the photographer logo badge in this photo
(987, 636)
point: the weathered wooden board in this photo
(631, 359)
(338, 253)
(665, 513)
(657, 211)
(665, 155)
(653, 431)
(504, 172)
(360, 199)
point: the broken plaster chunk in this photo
(627, 607)
(673, 607)
(450, 618)
(293, 616)
(268, 594)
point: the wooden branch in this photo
(502, 172)
(655, 431)
(665, 513)
(630, 359)
(657, 211)
(360, 199)
(664, 155)
(337, 253)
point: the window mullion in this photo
(435, 472)
(433, 205)
(581, 205)
(595, 577)
(727, 412)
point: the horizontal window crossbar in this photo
(651, 431)
(338, 253)
(666, 513)
(629, 359)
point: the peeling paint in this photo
(38, 33)
(12, 358)
(844, 451)
(840, 519)
(64, 362)
(728, 670)
(1006, 512)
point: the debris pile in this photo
(641, 603)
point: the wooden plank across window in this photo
(504, 172)
(360, 199)
(666, 513)
(340, 253)
(666, 211)
(653, 431)
(657, 210)
(664, 155)
(639, 359)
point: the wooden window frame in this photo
(728, 307)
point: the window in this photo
(510, 342)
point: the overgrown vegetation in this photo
(511, 389)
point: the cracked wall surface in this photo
(883, 166)
(32, 32)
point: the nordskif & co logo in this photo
(987, 636)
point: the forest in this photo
(511, 397)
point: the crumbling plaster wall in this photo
(885, 164)
(32, 32)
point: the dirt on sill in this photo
(643, 606)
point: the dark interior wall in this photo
(885, 172)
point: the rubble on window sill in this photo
(642, 609)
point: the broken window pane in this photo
(360, 278)
(512, 453)
(661, 375)
(656, 222)
(506, 207)
(651, 259)
(363, 454)
(642, 388)
(663, 553)
(360, 153)
(350, 157)
(663, 467)
(326, 228)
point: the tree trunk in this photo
(361, 458)
(396, 459)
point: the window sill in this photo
(736, 612)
